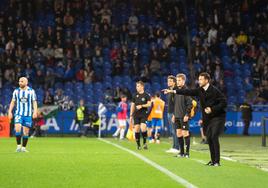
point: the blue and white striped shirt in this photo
(24, 101)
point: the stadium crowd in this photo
(63, 45)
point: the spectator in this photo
(80, 75)
(68, 20)
(39, 79)
(212, 34)
(242, 38)
(48, 98)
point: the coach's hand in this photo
(166, 91)
(185, 118)
(10, 115)
(208, 110)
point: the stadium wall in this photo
(64, 123)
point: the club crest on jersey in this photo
(23, 99)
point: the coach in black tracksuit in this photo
(213, 104)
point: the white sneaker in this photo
(173, 150)
(158, 141)
(18, 149)
(23, 149)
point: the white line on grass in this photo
(173, 176)
(223, 157)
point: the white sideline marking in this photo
(228, 159)
(222, 157)
(173, 176)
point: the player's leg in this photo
(122, 127)
(180, 136)
(158, 128)
(149, 130)
(25, 137)
(18, 136)
(144, 133)
(137, 132)
(186, 136)
(27, 124)
(18, 124)
(117, 130)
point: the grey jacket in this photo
(182, 105)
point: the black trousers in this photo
(212, 131)
(246, 126)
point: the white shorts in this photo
(122, 122)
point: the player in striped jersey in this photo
(24, 99)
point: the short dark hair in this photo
(171, 77)
(123, 96)
(205, 75)
(157, 94)
(140, 82)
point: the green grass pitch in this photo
(89, 162)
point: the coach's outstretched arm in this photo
(188, 92)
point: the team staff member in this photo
(171, 82)
(81, 114)
(213, 104)
(139, 113)
(182, 110)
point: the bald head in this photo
(23, 82)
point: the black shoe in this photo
(180, 155)
(216, 164)
(138, 148)
(210, 163)
(145, 146)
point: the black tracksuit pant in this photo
(213, 130)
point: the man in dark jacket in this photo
(182, 110)
(246, 117)
(213, 105)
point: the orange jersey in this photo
(157, 109)
(150, 116)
